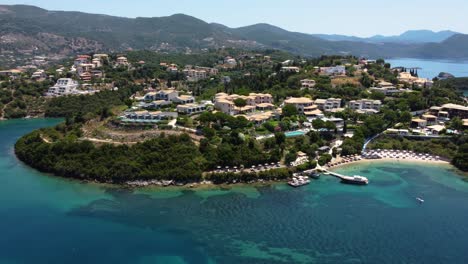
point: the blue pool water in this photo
(294, 134)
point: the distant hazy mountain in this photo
(27, 28)
(411, 36)
(417, 36)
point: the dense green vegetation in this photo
(460, 160)
(22, 98)
(459, 83)
(89, 105)
(166, 157)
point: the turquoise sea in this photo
(45, 219)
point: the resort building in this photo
(13, 73)
(390, 90)
(400, 132)
(146, 115)
(328, 104)
(86, 76)
(430, 119)
(97, 74)
(101, 57)
(64, 86)
(166, 95)
(365, 106)
(230, 61)
(195, 75)
(122, 61)
(331, 71)
(265, 106)
(210, 71)
(290, 69)
(184, 99)
(455, 110)
(339, 122)
(81, 59)
(307, 84)
(189, 109)
(39, 74)
(301, 103)
(314, 114)
(97, 63)
(198, 73)
(410, 79)
(418, 123)
(225, 102)
(436, 129)
(157, 104)
(260, 118)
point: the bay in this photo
(46, 219)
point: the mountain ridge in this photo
(30, 28)
(409, 36)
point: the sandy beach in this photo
(384, 155)
(392, 160)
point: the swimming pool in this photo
(294, 133)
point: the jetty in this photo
(356, 179)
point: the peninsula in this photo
(229, 115)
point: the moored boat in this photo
(299, 181)
(358, 180)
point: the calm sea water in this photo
(432, 68)
(45, 219)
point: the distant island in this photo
(229, 116)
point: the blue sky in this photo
(350, 17)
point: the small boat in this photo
(358, 180)
(298, 182)
(420, 200)
(315, 175)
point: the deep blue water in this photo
(432, 68)
(45, 219)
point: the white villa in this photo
(329, 104)
(166, 95)
(307, 84)
(195, 75)
(290, 69)
(336, 70)
(365, 106)
(146, 115)
(122, 61)
(64, 86)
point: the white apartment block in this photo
(365, 106)
(307, 83)
(64, 86)
(328, 104)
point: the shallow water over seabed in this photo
(52, 220)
